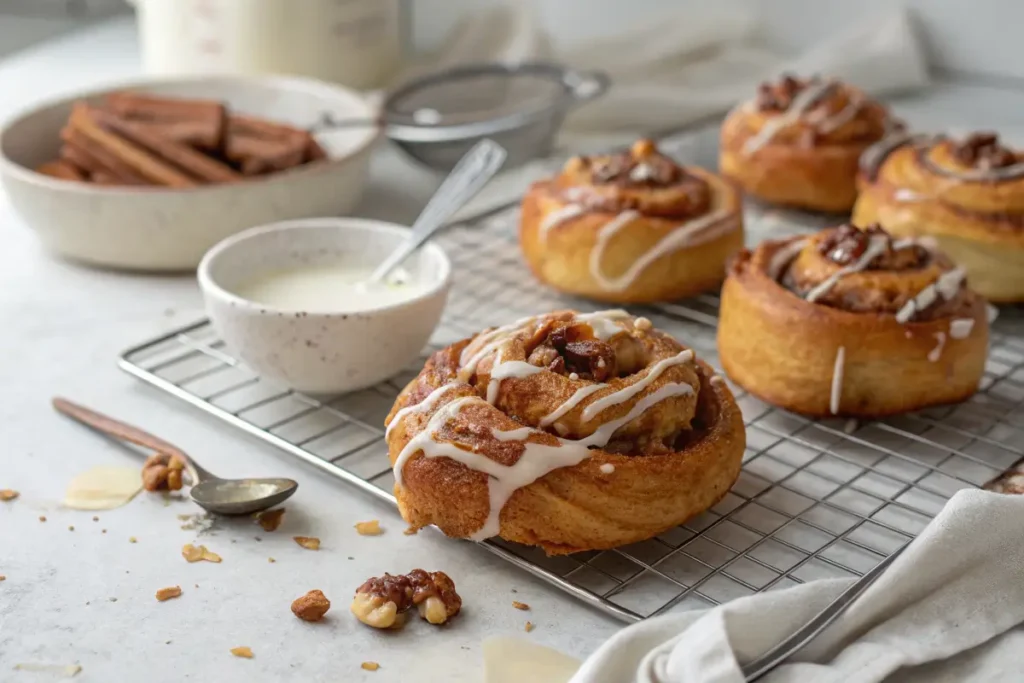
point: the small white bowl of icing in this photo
(293, 301)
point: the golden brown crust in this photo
(675, 228)
(673, 448)
(971, 202)
(786, 350)
(811, 161)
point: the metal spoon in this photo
(467, 178)
(223, 496)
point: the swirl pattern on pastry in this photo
(630, 227)
(798, 142)
(851, 322)
(568, 431)
(967, 194)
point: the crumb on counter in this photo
(194, 554)
(370, 528)
(242, 651)
(529, 626)
(132, 539)
(42, 518)
(8, 494)
(520, 605)
(370, 666)
(307, 542)
(165, 594)
(270, 520)
(312, 606)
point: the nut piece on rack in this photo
(312, 606)
(382, 601)
(163, 472)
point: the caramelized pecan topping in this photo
(642, 166)
(983, 151)
(847, 243)
(779, 95)
(572, 349)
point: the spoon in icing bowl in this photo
(222, 496)
(468, 177)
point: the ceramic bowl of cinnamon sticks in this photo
(150, 175)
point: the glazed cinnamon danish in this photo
(851, 322)
(566, 431)
(967, 194)
(797, 143)
(633, 227)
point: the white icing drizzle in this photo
(423, 406)
(536, 460)
(837, 380)
(641, 172)
(903, 243)
(690, 234)
(936, 353)
(905, 195)
(946, 286)
(555, 218)
(607, 468)
(877, 245)
(570, 403)
(841, 117)
(603, 322)
(781, 258)
(961, 328)
(806, 99)
(617, 397)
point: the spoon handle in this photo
(467, 178)
(122, 431)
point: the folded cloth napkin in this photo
(946, 610)
(675, 71)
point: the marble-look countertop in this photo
(86, 597)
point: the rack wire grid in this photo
(815, 498)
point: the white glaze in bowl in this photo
(322, 353)
(165, 229)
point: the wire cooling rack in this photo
(815, 498)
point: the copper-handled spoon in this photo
(223, 496)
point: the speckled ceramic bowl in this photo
(322, 353)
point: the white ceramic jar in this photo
(357, 43)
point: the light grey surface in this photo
(64, 328)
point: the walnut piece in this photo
(520, 605)
(165, 594)
(983, 151)
(308, 542)
(382, 600)
(194, 554)
(8, 494)
(528, 627)
(163, 472)
(371, 528)
(270, 520)
(370, 666)
(243, 651)
(312, 606)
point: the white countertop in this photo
(65, 326)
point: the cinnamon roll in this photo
(566, 431)
(797, 143)
(967, 194)
(632, 227)
(851, 322)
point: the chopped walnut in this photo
(371, 528)
(847, 243)
(520, 605)
(779, 96)
(411, 531)
(165, 594)
(983, 151)
(42, 518)
(132, 539)
(382, 600)
(194, 554)
(8, 494)
(312, 606)
(307, 542)
(2, 577)
(270, 520)
(370, 666)
(529, 626)
(243, 651)
(642, 165)
(162, 472)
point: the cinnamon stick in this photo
(86, 154)
(189, 121)
(61, 169)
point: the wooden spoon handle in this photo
(118, 430)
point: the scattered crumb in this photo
(112, 599)
(411, 531)
(167, 593)
(258, 539)
(42, 518)
(167, 643)
(132, 539)
(514, 590)
(308, 542)
(104, 530)
(197, 585)
(234, 541)
(242, 652)
(371, 528)
(95, 518)
(71, 527)
(270, 520)
(87, 602)
(642, 324)
(312, 606)
(65, 671)
(370, 666)
(520, 605)
(529, 626)
(2, 577)
(270, 559)
(351, 558)
(200, 522)
(8, 494)
(194, 554)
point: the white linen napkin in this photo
(946, 610)
(675, 71)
